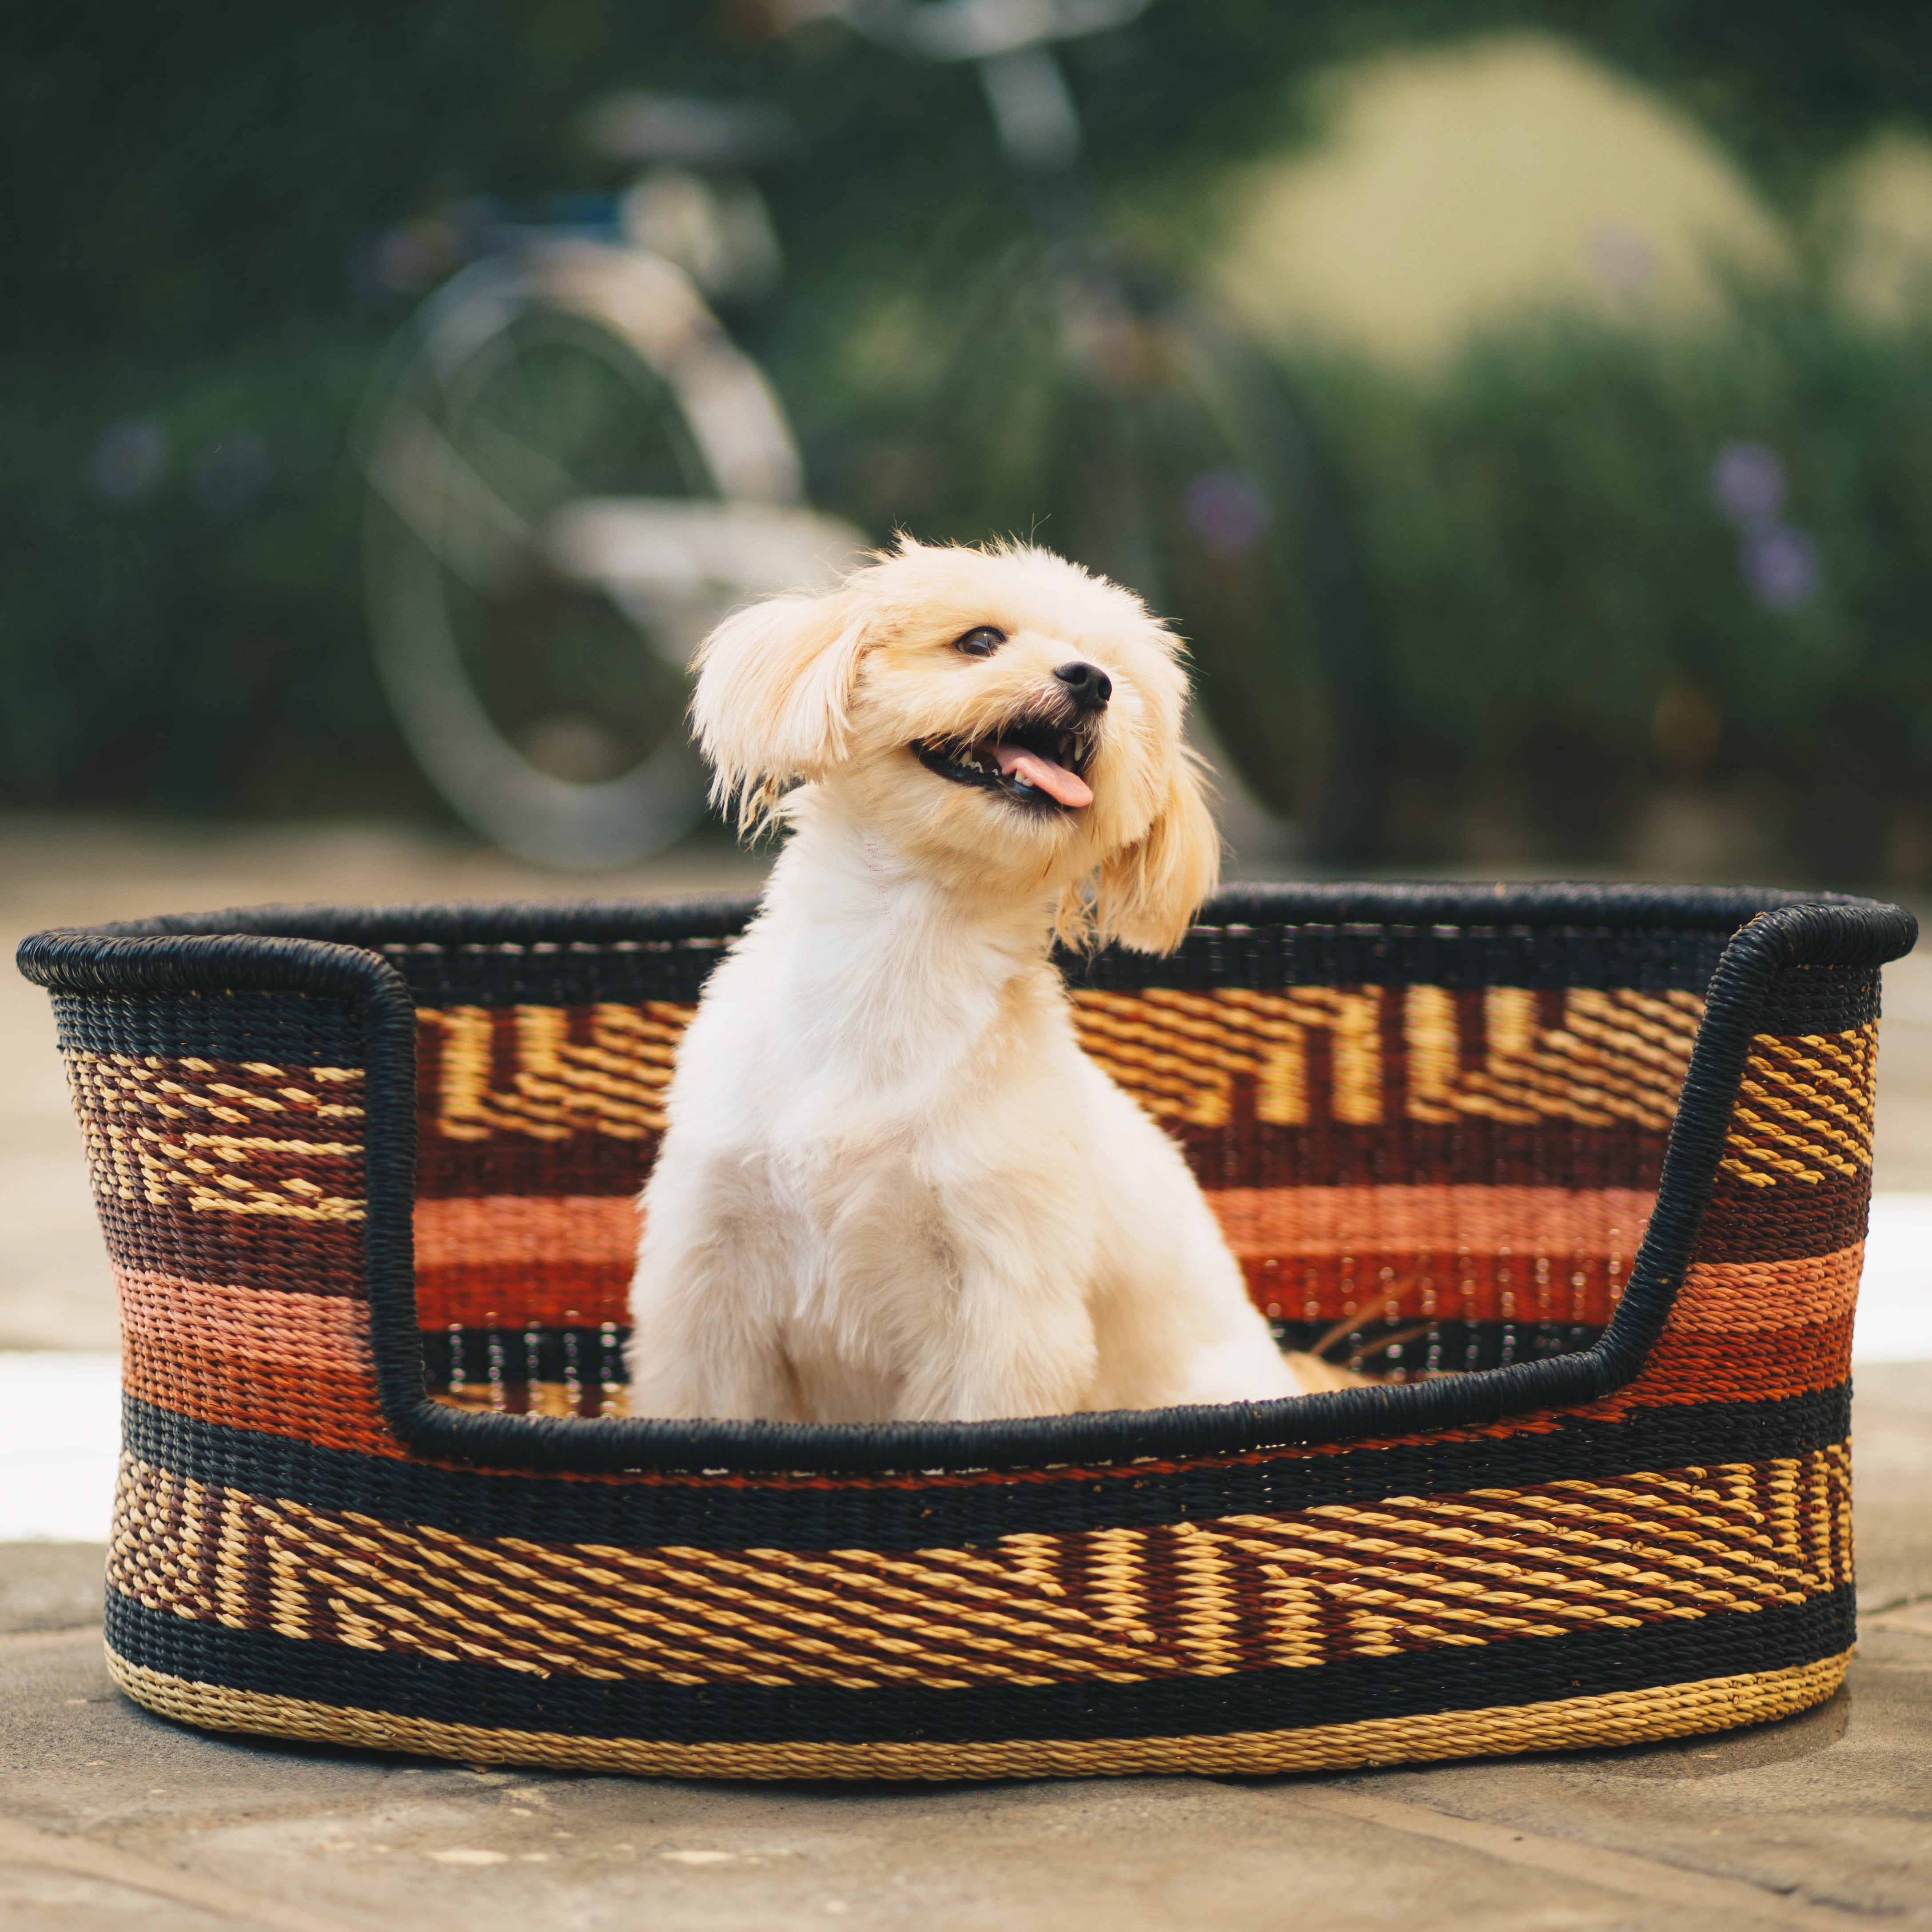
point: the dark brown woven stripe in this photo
(242, 1174)
(1472, 1152)
(1779, 1223)
(235, 1250)
(583, 1164)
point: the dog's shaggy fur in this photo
(892, 1187)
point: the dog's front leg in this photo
(712, 1278)
(1021, 1341)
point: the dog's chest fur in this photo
(869, 1102)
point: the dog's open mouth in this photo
(1034, 761)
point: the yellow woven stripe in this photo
(154, 1134)
(1804, 1108)
(1615, 1056)
(612, 1085)
(1179, 1053)
(1569, 1724)
(1315, 1587)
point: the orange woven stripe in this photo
(1377, 1285)
(575, 1294)
(531, 1229)
(326, 1403)
(506, 1260)
(1323, 1221)
(1708, 1365)
(1731, 1296)
(298, 1331)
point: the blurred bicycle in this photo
(567, 457)
(574, 473)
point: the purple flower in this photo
(128, 461)
(1747, 484)
(233, 475)
(1781, 565)
(1227, 511)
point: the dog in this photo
(891, 1187)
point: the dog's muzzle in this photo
(1035, 761)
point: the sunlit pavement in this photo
(108, 1815)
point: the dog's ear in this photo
(1146, 894)
(774, 682)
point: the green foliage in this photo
(1556, 583)
(166, 652)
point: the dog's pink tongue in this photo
(1053, 778)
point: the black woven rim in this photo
(326, 950)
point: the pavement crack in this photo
(1738, 1900)
(87, 1858)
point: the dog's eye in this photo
(979, 643)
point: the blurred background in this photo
(1525, 411)
(1602, 334)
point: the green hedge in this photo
(1561, 595)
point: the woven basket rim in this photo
(338, 952)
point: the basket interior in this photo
(1417, 1179)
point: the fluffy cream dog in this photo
(892, 1187)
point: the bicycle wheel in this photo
(573, 474)
(1146, 438)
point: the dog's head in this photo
(1002, 717)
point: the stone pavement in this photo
(108, 1816)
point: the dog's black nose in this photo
(1087, 684)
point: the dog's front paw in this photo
(1315, 1374)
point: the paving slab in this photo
(1765, 1827)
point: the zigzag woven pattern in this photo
(1255, 1084)
(1122, 1606)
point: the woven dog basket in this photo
(1577, 1176)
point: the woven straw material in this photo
(1578, 1178)
(1565, 1724)
(1122, 1606)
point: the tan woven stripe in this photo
(1570, 1724)
(1616, 1056)
(1804, 1108)
(1120, 1606)
(1178, 1053)
(546, 1073)
(253, 1139)
(604, 1073)
(1604, 1057)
